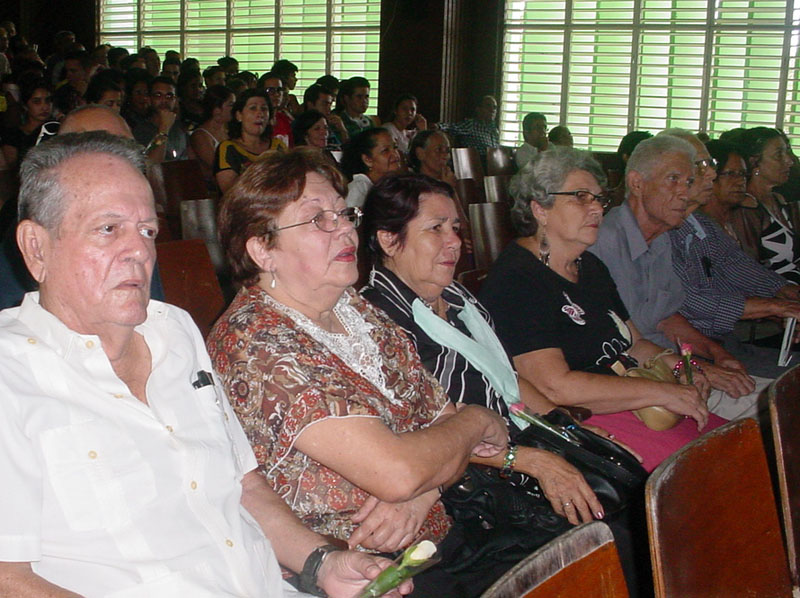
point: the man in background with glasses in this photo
(721, 283)
(162, 133)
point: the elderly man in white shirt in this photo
(125, 472)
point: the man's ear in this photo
(35, 244)
(634, 182)
(258, 252)
(388, 242)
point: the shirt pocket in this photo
(98, 475)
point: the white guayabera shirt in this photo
(107, 496)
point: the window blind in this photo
(606, 67)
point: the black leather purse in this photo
(612, 472)
(504, 520)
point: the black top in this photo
(462, 382)
(535, 308)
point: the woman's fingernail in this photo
(599, 514)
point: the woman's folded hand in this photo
(386, 526)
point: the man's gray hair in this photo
(543, 175)
(41, 197)
(650, 152)
(678, 132)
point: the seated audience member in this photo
(162, 133)
(99, 57)
(36, 99)
(213, 75)
(352, 103)
(15, 280)
(132, 61)
(321, 99)
(429, 154)
(730, 186)
(405, 122)
(5, 64)
(190, 64)
(287, 71)
(560, 135)
(633, 244)
(272, 85)
(329, 82)
(534, 132)
(769, 231)
(479, 131)
(114, 481)
(217, 111)
(228, 64)
(136, 108)
(249, 138)
(309, 363)
(106, 88)
(115, 56)
(152, 63)
(190, 97)
(574, 338)
(54, 64)
(311, 129)
(171, 67)
(69, 94)
(236, 85)
(249, 78)
(368, 156)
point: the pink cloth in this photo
(653, 446)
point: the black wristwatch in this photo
(308, 578)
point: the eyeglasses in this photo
(734, 174)
(705, 164)
(585, 198)
(158, 95)
(273, 89)
(328, 220)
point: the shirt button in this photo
(229, 543)
(194, 485)
(32, 341)
(118, 395)
(92, 455)
(169, 429)
(89, 344)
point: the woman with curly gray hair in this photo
(559, 314)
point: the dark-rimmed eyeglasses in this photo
(328, 220)
(734, 174)
(273, 89)
(705, 164)
(586, 197)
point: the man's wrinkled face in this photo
(704, 175)
(96, 266)
(665, 190)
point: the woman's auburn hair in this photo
(257, 198)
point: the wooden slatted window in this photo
(606, 67)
